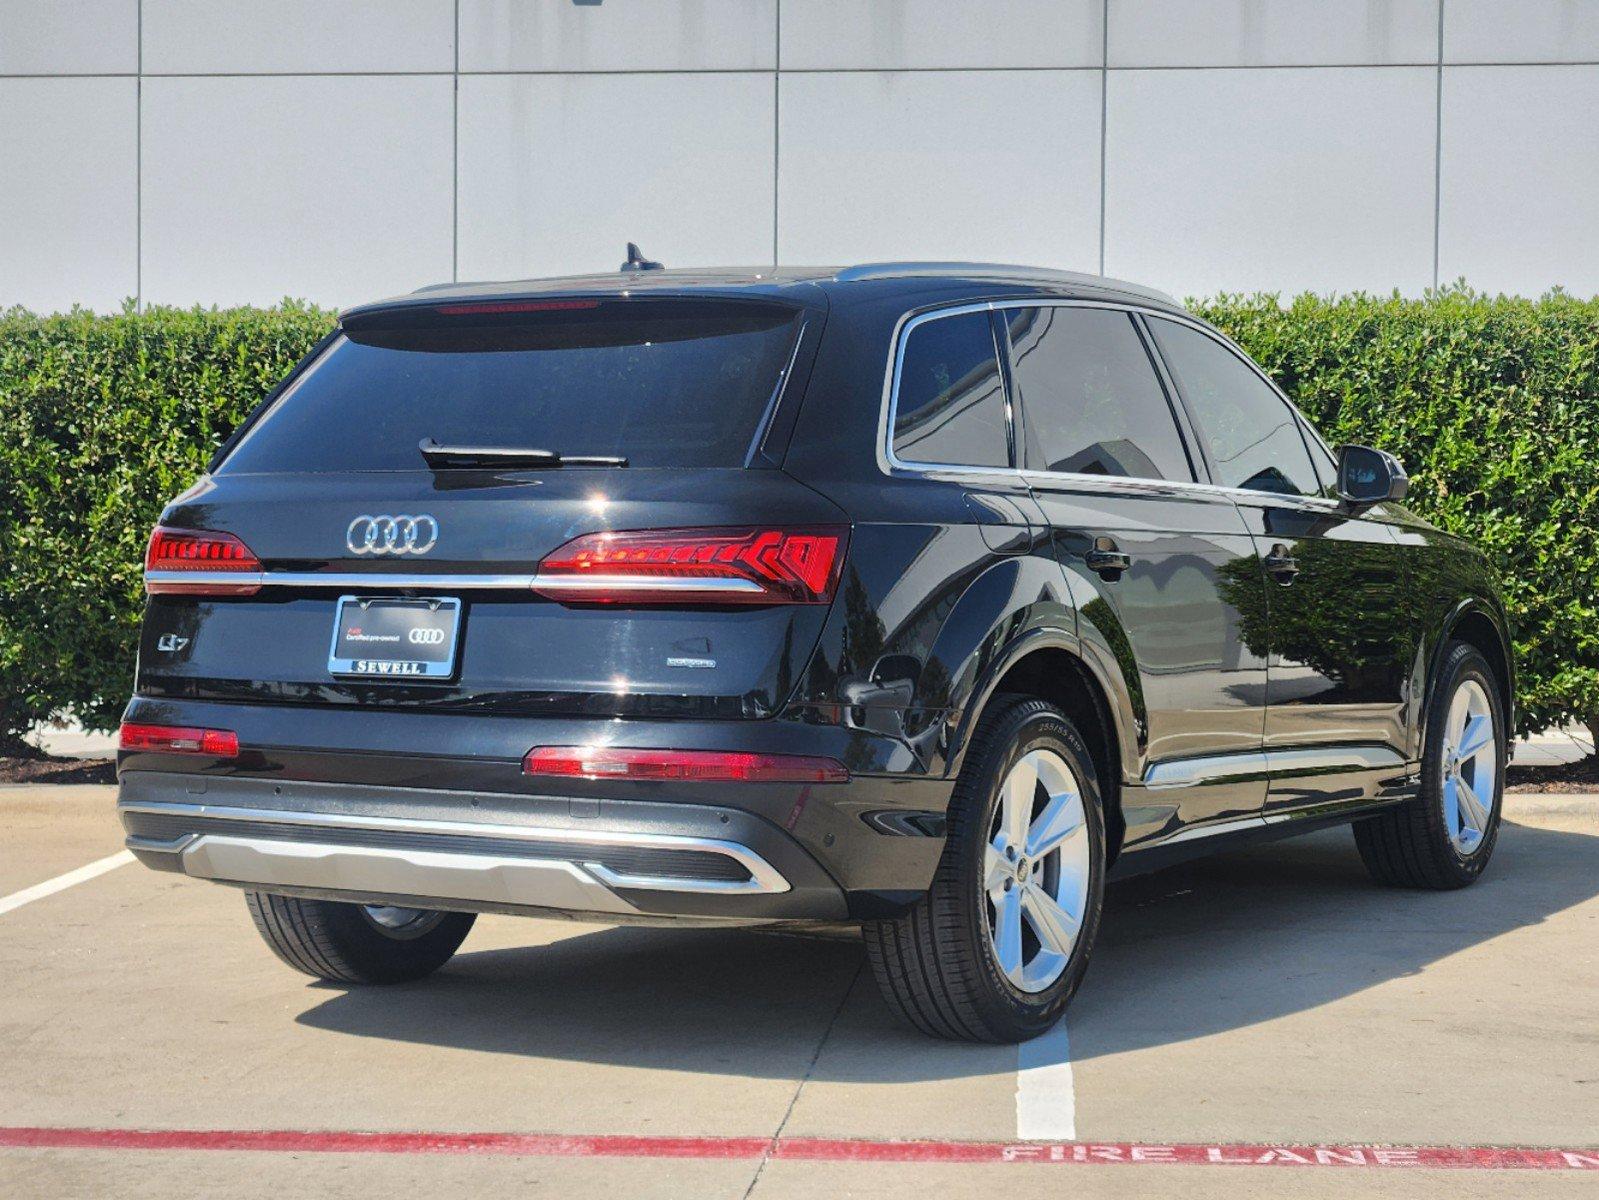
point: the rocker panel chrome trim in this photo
(1268, 764)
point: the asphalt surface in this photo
(1241, 1005)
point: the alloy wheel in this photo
(1036, 870)
(1470, 766)
(401, 922)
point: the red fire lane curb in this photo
(552, 1145)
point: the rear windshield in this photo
(663, 383)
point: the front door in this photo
(1335, 622)
(1162, 570)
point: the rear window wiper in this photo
(440, 457)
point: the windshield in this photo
(663, 383)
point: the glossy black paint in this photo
(519, 655)
(958, 584)
(1170, 627)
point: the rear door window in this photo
(950, 405)
(1253, 434)
(1091, 401)
(664, 383)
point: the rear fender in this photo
(1101, 666)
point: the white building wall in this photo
(229, 151)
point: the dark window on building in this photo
(951, 406)
(1091, 400)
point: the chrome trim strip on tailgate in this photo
(764, 878)
(370, 581)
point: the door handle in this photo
(1281, 565)
(1106, 560)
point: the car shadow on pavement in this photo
(1199, 949)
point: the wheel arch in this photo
(1047, 663)
(1475, 623)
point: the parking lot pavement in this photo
(49, 831)
(1267, 998)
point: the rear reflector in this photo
(199, 562)
(613, 762)
(179, 739)
(697, 566)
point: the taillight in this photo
(697, 566)
(613, 762)
(179, 739)
(199, 562)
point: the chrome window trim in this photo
(887, 459)
(888, 462)
(380, 582)
(764, 877)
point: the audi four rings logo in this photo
(384, 534)
(426, 637)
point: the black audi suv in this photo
(920, 596)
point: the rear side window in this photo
(665, 383)
(1092, 402)
(1253, 434)
(951, 405)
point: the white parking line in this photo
(61, 882)
(1046, 1099)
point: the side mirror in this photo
(1367, 476)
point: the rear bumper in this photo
(862, 848)
(480, 852)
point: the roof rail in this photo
(894, 270)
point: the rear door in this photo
(1162, 570)
(1335, 617)
(329, 490)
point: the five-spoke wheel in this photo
(1470, 766)
(1001, 940)
(1036, 870)
(1444, 837)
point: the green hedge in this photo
(103, 420)
(1492, 404)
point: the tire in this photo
(940, 966)
(1423, 843)
(353, 943)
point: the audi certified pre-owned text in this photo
(926, 597)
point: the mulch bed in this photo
(49, 769)
(1580, 776)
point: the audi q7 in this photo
(924, 597)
